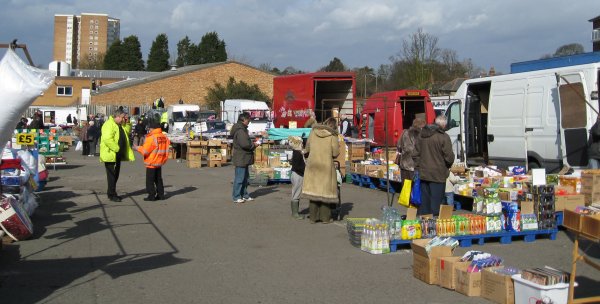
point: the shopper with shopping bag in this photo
(433, 161)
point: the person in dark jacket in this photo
(297, 177)
(139, 132)
(37, 122)
(406, 148)
(594, 146)
(22, 124)
(242, 157)
(93, 134)
(83, 136)
(433, 161)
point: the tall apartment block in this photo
(77, 37)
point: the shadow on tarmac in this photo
(27, 279)
(262, 191)
(168, 194)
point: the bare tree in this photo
(92, 62)
(420, 52)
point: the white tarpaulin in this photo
(20, 85)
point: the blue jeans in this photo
(450, 198)
(240, 183)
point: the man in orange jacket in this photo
(154, 150)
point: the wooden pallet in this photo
(504, 237)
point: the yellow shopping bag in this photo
(404, 198)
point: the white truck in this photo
(535, 119)
(56, 116)
(181, 114)
(259, 111)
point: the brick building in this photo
(190, 84)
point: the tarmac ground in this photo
(198, 247)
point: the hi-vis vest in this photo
(155, 149)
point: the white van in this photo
(181, 114)
(535, 119)
(259, 111)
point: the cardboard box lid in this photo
(418, 247)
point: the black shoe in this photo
(118, 197)
(149, 199)
(159, 198)
(114, 199)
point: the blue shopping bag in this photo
(415, 194)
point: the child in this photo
(298, 164)
(154, 150)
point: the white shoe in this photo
(248, 199)
(239, 201)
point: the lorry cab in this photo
(535, 119)
(399, 108)
(181, 114)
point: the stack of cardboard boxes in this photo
(439, 266)
(194, 154)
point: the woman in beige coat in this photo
(320, 179)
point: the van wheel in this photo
(533, 164)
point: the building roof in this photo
(594, 19)
(162, 75)
(453, 85)
(110, 74)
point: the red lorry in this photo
(402, 107)
(324, 93)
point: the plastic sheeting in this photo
(281, 133)
(20, 85)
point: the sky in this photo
(308, 34)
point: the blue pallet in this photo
(505, 238)
(367, 181)
(280, 181)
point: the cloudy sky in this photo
(307, 34)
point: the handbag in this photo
(415, 194)
(79, 146)
(404, 198)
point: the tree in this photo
(569, 49)
(420, 52)
(131, 56)
(112, 58)
(183, 52)
(92, 62)
(158, 58)
(211, 49)
(233, 90)
(335, 65)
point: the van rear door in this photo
(573, 105)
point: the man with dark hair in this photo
(242, 158)
(114, 147)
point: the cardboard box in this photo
(424, 263)
(570, 202)
(496, 287)
(194, 143)
(215, 156)
(270, 172)
(446, 271)
(468, 283)
(194, 163)
(214, 142)
(357, 150)
(274, 161)
(194, 156)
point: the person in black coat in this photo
(297, 177)
(139, 132)
(93, 135)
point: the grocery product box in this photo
(194, 163)
(194, 143)
(269, 172)
(215, 156)
(570, 202)
(194, 156)
(424, 263)
(446, 271)
(467, 283)
(214, 142)
(356, 150)
(496, 287)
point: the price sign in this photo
(25, 139)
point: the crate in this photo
(526, 290)
(213, 156)
(357, 150)
(258, 179)
(214, 163)
(193, 156)
(587, 225)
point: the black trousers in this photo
(86, 148)
(112, 176)
(154, 182)
(432, 196)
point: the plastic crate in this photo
(258, 180)
(526, 291)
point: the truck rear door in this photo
(573, 118)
